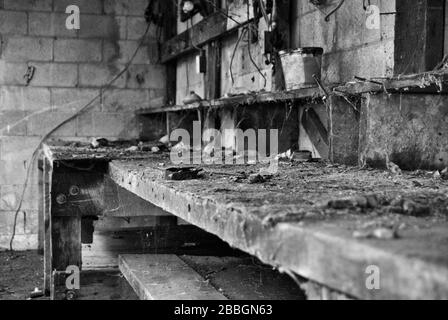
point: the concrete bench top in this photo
(331, 224)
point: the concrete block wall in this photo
(409, 129)
(71, 67)
(350, 48)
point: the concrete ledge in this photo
(288, 224)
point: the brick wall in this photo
(71, 67)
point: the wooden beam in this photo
(41, 215)
(249, 99)
(165, 277)
(213, 74)
(211, 28)
(170, 30)
(66, 242)
(48, 254)
(316, 132)
(429, 82)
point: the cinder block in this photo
(26, 49)
(55, 75)
(77, 50)
(122, 52)
(98, 75)
(12, 172)
(122, 22)
(49, 25)
(10, 196)
(28, 5)
(85, 126)
(369, 62)
(24, 98)
(157, 98)
(125, 100)
(21, 242)
(12, 22)
(19, 148)
(11, 123)
(41, 124)
(136, 28)
(85, 6)
(11, 73)
(118, 125)
(96, 26)
(27, 222)
(125, 7)
(72, 99)
(146, 76)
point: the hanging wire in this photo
(249, 45)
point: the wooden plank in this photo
(77, 193)
(282, 39)
(41, 214)
(205, 31)
(95, 195)
(316, 132)
(66, 242)
(165, 277)
(58, 286)
(213, 74)
(429, 82)
(84, 154)
(249, 99)
(170, 30)
(290, 224)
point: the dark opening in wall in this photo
(419, 35)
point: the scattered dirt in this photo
(105, 285)
(245, 278)
(20, 273)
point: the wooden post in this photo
(66, 240)
(47, 174)
(170, 30)
(41, 216)
(213, 74)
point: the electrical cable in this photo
(265, 15)
(253, 61)
(234, 53)
(219, 10)
(327, 18)
(364, 4)
(249, 38)
(78, 113)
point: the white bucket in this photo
(300, 65)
